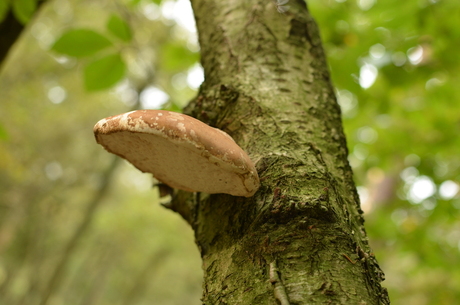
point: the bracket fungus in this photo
(179, 151)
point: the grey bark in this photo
(300, 239)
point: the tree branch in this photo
(56, 277)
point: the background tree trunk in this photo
(10, 29)
(300, 239)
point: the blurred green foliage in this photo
(102, 72)
(173, 50)
(4, 6)
(23, 9)
(402, 134)
(394, 65)
(113, 245)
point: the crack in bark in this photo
(278, 287)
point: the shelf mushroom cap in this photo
(179, 151)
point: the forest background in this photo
(85, 229)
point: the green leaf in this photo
(80, 43)
(173, 107)
(120, 28)
(3, 132)
(176, 57)
(4, 6)
(104, 72)
(23, 9)
(134, 2)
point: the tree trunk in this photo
(300, 239)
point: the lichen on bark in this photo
(300, 239)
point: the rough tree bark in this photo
(300, 239)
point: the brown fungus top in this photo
(179, 151)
